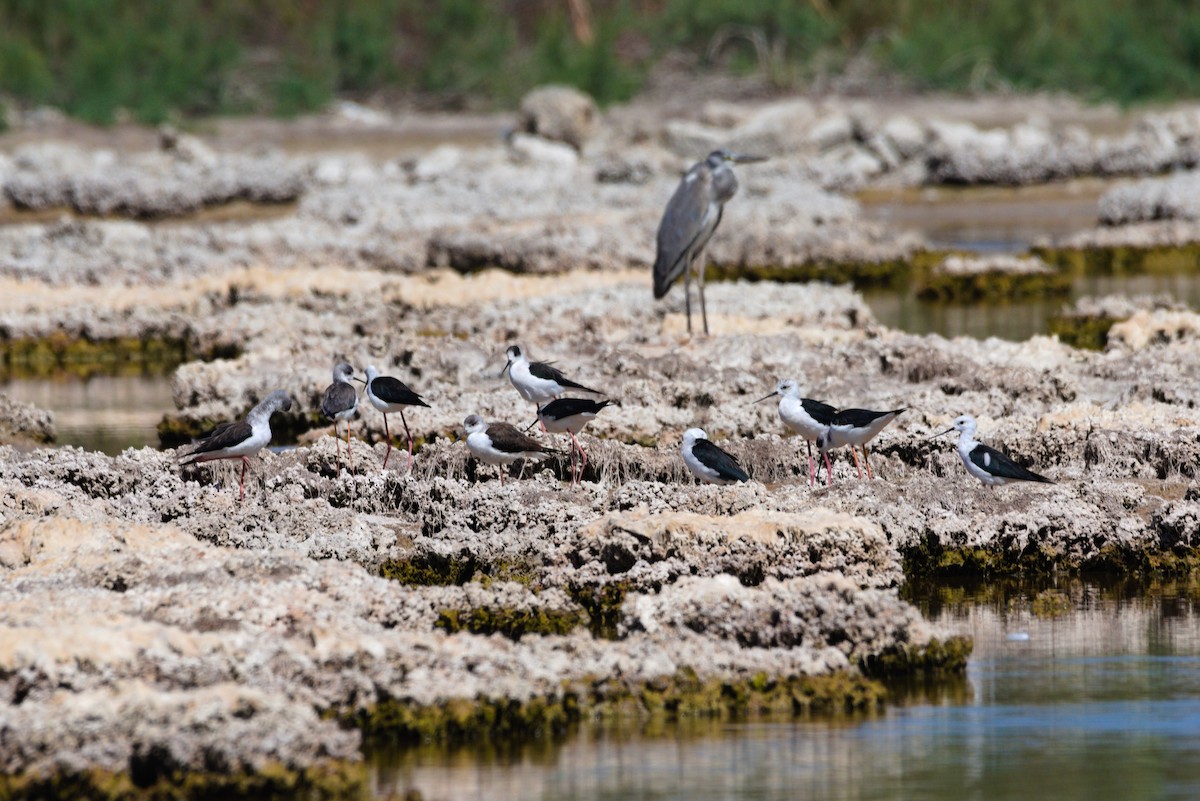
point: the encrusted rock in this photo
(559, 113)
(24, 422)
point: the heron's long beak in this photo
(505, 370)
(944, 433)
(743, 158)
(760, 400)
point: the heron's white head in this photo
(474, 424)
(692, 434)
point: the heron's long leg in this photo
(687, 294)
(701, 263)
(867, 462)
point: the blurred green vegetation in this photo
(155, 59)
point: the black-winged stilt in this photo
(537, 382)
(241, 439)
(390, 395)
(988, 465)
(804, 416)
(501, 443)
(340, 403)
(707, 462)
(569, 416)
(853, 427)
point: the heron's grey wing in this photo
(684, 226)
(711, 456)
(996, 463)
(339, 397)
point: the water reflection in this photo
(1101, 700)
(104, 413)
(1019, 320)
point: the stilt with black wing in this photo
(241, 439)
(709, 463)
(988, 465)
(390, 395)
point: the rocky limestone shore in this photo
(154, 629)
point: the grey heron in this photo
(692, 215)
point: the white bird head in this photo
(692, 434)
(787, 388)
(343, 372)
(964, 424)
(474, 424)
(513, 354)
(372, 373)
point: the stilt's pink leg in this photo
(582, 457)
(349, 455)
(242, 482)
(828, 471)
(338, 443)
(812, 469)
(409, 436)
(387, 433)
(854, 453)
(867, 462)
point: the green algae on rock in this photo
(336, 781)
(683, 695)
(1099, 259)
(512, 623)
(990, 278)
(934, 658)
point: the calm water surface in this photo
(1100, 703)
(101, 413)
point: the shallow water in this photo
(1020, 320)
(990, 219)
(1102, 702)
(101, 413)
